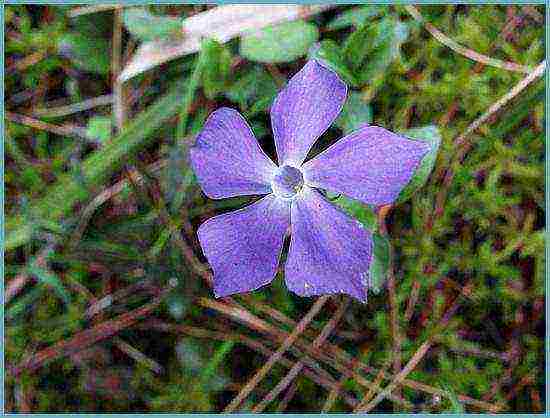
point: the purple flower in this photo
(329, 252)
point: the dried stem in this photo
(85, 10)
(66, 110)
(468, 53)
(87, 337)
(75, 132)
(394, 306)
(288, 397)
(321, 380)
(372, 390)
(413, 362)
(260, 374)
(116, 45)
(461, 141)
(318, 342)
(336, 357)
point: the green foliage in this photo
(116, 243)
(146, 26)
(431, 135)
(85, 52)
(99, 128)
(356, 16)
(330, 54)
(363, 213)
(217, 68)
(371, 49)
(356, 113)
(284, 42)
(380, 263)
(68, 190)
(253, 92)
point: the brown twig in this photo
(333, 395)
(409, 367)
(415, 359)
(75, 132)
(462, 144)
(334, 356)
(85, 10)
(66, 110)
(116, 56)
(255, 345)
(288, 397)
(260, 374)
(372, 390)
(318, 342)
(87, 337)
(137, 355)
(350, 367)
(468, 53)
(413, 299)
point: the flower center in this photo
(288, 182)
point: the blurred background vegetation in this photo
(107, 303)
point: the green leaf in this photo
(371, 49)
(356, 112)
(47, 277)
(149, 27)
(99, 127)
(255, 90)
(330, 54)
(216, 69)
(281, 43)
(380, 263)
(177, 176)
(356, 16)
(22, 303)
(88, 53)
(360, 211)
(456, 405)
(431, 135)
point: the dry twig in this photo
(288, 379)
(260, 374)
(473, 55)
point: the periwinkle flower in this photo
(329, 252)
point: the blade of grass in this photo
(60, 198)
(192, 86)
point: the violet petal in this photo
(243, 247)
(227, 158)
(304, 110)
(329, 251)
(371, 165)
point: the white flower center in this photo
(287, 182)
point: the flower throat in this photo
(288, 182)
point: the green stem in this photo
(192, 86)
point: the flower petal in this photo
(371, 165)
(329, 251)
(243, 247)
(227, 158)
(305, 109)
